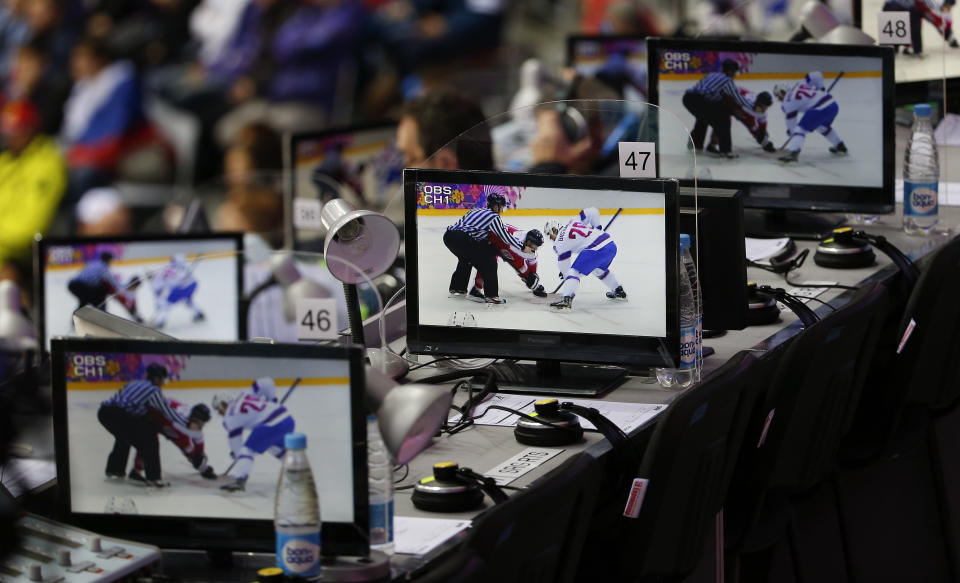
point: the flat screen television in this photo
(641, 329)
(187, 286)
(859, 178)
(364, 157)
(619, 62)
(319, 387)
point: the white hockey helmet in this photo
(266, 388)
(178, 259)
(551, 227)
(780, 91)
(220, 402)
(815, 78)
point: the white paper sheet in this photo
(759, 249)
(419, 536)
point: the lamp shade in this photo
(16, 332)
(359, 245)
(408, 415)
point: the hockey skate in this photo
(711, 149)
(456, 293)
(237, 485)
(565, 302)
(476, 295)
(111, 476)
(790, 157)
(137, 478)
(539, 291)
(839, 149)
(617, 294)
(495, 300)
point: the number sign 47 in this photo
(638, 160)
(893, 28)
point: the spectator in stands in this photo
(104, 122)
(33, 78)
(14, 31)
(292, 82)
(51, 31)
(252, 170)
(148, 32)
(101, 212)
(428, 125)
(32, 182)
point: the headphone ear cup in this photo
(433, 495)
(548, 436)
(573, 123)
(845, 260)
(762, 309)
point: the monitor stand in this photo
(807, 225)
(558, 379)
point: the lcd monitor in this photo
(310, 389)
(187, 286)
(803, 82)
(363, 157)
(619, 62)
(639, 217)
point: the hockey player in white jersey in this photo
(806, 108)
(174, 283)
(267, 423)
(582, 249)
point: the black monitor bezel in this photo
(290, 141)
(43, 243)
(884, 196)
(536, 344)
(350, 539)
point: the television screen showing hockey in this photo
(805, 119)
(187, 288)
(537, 258)
(214, 442)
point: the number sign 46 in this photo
(638, 160)
(893, 28)
(317, 319)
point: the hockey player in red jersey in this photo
(524, 263)
(754, 119)
(188, 439)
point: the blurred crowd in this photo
(103, 98)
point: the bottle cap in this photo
(921, 110)
(684, 241)
(295, 441)
(371, 417)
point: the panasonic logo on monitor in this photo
(540, 340)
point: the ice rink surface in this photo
(938, 59)
(214, 276)
(188, 494)
(857, 123)
(638, 269)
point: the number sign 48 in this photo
(893, 28)
(638, 160)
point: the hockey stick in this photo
(282, 401)
(610, 222)
(829, 89)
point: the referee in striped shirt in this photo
(712, 101)
(468, 240)
(125, 415)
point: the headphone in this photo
(762, 307)
(553, 424)
(454, 489)
(842, 250)
(803, 311)
(846, 237)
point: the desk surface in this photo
(484, 447)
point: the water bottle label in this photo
(688, 346)
(381, 522)
(299, 554)
(920, 199)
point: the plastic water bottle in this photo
(380, 480)
(296, 512)
(921, 175)
(691, 332)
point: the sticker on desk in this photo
(807, 293)
(893, 28)
(306, 213)
(638, 160)
(317, 319)
(520, 464)
(635, 499)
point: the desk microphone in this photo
(454, 489)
